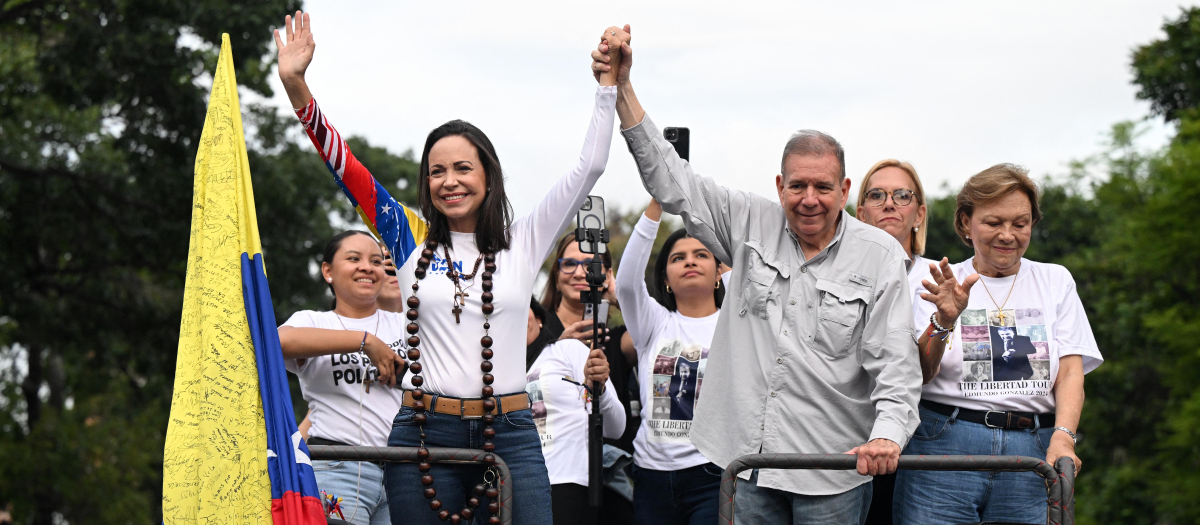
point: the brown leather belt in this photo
(471, 408)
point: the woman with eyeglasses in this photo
(672, 330)
(892, 199)
(467, 287)
(565, 321)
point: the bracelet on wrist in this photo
(938, 329)
(363, 344)
(1069, 433)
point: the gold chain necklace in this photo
(1000, 307)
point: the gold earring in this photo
(668, 288)
(717, 286)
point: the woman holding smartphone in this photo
(566, 319)
(673, 482)
(470, 282)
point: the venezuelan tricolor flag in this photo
(233, 453)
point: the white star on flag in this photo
(387, 208)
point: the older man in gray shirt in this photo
(814, 349)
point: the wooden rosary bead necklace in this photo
(489, 402)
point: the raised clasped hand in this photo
(946, 293)
(613, 57)
(877, 457)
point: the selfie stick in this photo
(594, 238)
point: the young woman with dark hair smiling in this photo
(339, 355)
(468, 289)
(672, 330)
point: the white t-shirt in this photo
(450, 350)
(672, 353)
(334, 384)
(560, 410)
(1011, 358)
(918, 272)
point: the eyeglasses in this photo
(877, 197)
(568, 265)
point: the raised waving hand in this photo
(295, 54)
(946, 293)
(951, 298)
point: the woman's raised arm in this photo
(398, 226)
(295, 53)
(641, 312)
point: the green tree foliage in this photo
(101, 106)
(1166, 71)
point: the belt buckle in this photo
(462, 407)
(989, 424)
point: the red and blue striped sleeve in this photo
(397, 225)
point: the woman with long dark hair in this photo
(470, 282)
(672, 330)
(338, 355)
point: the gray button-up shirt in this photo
(813, 356)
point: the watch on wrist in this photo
(1069, 433)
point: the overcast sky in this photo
(952, 87)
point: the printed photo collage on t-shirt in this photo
(543, 405)
(1004, 345)
(678, 376)
(537, 405)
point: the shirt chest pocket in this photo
(841, 308)
(760, 291)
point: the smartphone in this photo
(601, 313)
(591, 215)
(681, 139)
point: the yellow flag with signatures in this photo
(215, 460)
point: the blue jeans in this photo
(517, 443)
(927, 497)
(758, 505)
(360, 485)
(676, 497)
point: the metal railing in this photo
(452, 456)
(1060, 479)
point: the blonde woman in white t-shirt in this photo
(1008, 380)
(673, 482)
(891, 198)
(346, 360)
